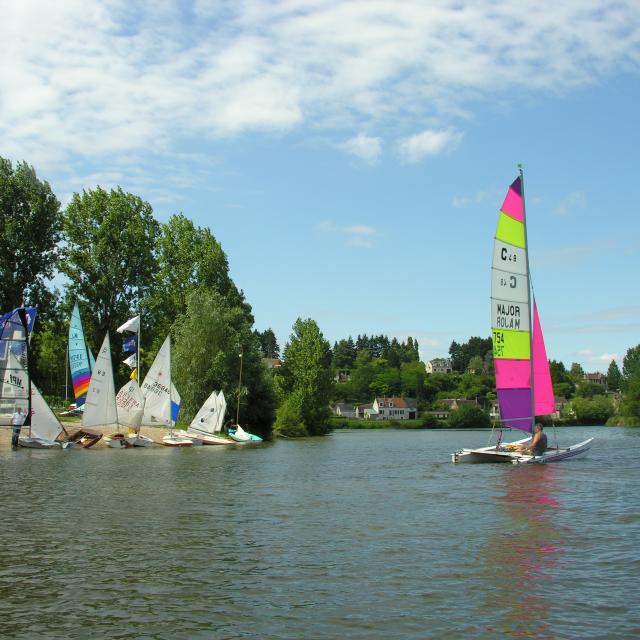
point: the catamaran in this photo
(523, 379)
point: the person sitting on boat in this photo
(537, 445)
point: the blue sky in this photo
(351, 157)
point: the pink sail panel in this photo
(512, 374)
(544, 401)
(513, 204)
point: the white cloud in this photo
(358, 235)
(428, 143)
(366, 148)
(591, 357)
(575, 200)
(100, 80)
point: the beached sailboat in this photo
(80, 360)
(159, 393)
(207, 423)
(523, 379)
(235, 431)
(100, 403)
(130, 403)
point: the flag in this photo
(130, 325)
(130, 361)
(134, 375)
(30, 313)
(129, 344)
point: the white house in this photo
(393, 409)
(439, 365)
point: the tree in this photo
(576, 371)
(461, 354)
(109, 254)
(30, 230)
(307, 368)
(268, 343)
(589, 390)
(468, 415)
(344, 354)
(595, 411)
(475, 364)
(631, 364)
(563, 384)
(189, 258)
(209, 338)
(614, 377)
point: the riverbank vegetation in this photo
(116, 260)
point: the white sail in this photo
(222, 404)
(206, 419)
(100, 405)
(44, 423)
(130, 403)
(15, 384)
(156, 388)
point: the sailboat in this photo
(207, 423)
(158, 391)
(235, 431)
(80, 360)
(523, 379)
(130, 403)
(100, 403)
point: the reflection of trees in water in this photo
(522, 557)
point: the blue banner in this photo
(129, 344)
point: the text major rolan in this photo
(507, 316)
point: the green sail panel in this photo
(511, 344)
(510, 231)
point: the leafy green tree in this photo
(268, 343)
(188, 258)
(563, 384)
(592, 411)
(576, 371)
(307, 368)
(386, 379)
(208, 341)
(468, 415)
(412, 379)
(475, 364)
(589, 390)
(344, 354)
(614, 377)
(30, 230)
(631, 364)
(631, 402)
(109, 254)
(461, 354)
(290, 422)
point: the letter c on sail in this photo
(512, 282)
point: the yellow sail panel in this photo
(511, 344)
(510, 230)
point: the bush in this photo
(289, 419)
(469, 415)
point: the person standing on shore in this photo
(17, 420)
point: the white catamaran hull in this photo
(502, 454)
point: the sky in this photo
(351, 157)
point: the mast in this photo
(239, 389)
(529, 299)
(24, 319)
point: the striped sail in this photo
(511, 327)
(78, 358)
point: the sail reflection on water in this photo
(524, 557)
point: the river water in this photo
(361, 534)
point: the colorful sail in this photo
(543, 398)
(517, 353)
(79, 363)
(510, 318)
